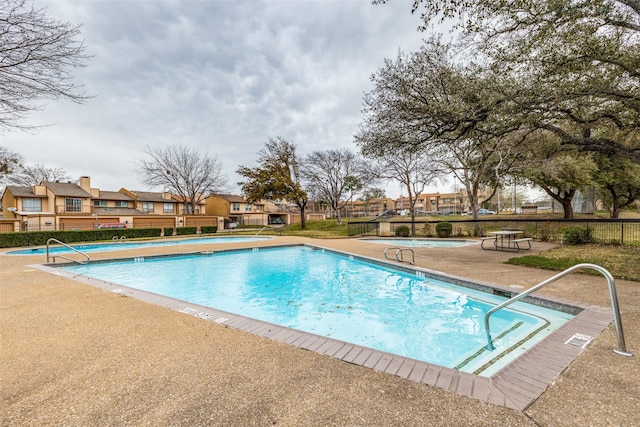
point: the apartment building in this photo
(76, 205)
(237, 210)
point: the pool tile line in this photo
(515, 386)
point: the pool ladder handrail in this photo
(622, 349)
(261, 230)
(399, 255)
(69, 247)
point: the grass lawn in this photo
(622, 262)
(325, 229)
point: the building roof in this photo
(24, 192)
(231, 198)
(180, 199)
(113, 195)
(66, 189)
(149, 196)
(116, 211)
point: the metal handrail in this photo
(62, 256)
(399, 256)
(261, 230)
(388, 249)
(622, 349)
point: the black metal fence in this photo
(607, 231)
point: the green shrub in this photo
(544, 234)
(444, 229)
(183, 231)
(208, 229)
(578, 235)
(38, 238)
(402, 231)
(168, 231)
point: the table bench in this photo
(517, 242)
(506, 240)
(483, 239)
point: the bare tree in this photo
(37, 54)
(10, 161)
(27, 176)
(191, 175)
(336, 176)
(411, 167)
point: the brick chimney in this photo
(85, 183)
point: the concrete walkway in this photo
(77, 355)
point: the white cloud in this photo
(220, 76)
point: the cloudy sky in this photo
(221, 76)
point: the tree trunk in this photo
(338, 216)
(564, 197)
(567, 208)
(615, 209)
(413, 221)
(303, 219)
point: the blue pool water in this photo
(345, 298)
(121, 245)
(423, 243)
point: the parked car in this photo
(277, 220)
(483, 212)
(486, 212)
(113, 225)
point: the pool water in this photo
(345, 298)
(122, 245)
(423, 243)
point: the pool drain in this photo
(579, 340)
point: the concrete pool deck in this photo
(77, 355)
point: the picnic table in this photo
(506, 240)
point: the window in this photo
(235, 207)
(122, 204)
(247, 207)
(259, 208)
(73, 205)
(168, 208)
(31, 205)
(100, 203)
(147, 207)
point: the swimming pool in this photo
(122, 245)
(423, 243)
(394, 310)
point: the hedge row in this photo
(183, 231)
(37, 238)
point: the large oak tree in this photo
(578, 62)
(451, 112)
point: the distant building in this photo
(237, 210)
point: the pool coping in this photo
(382, 240)
(516, 386)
